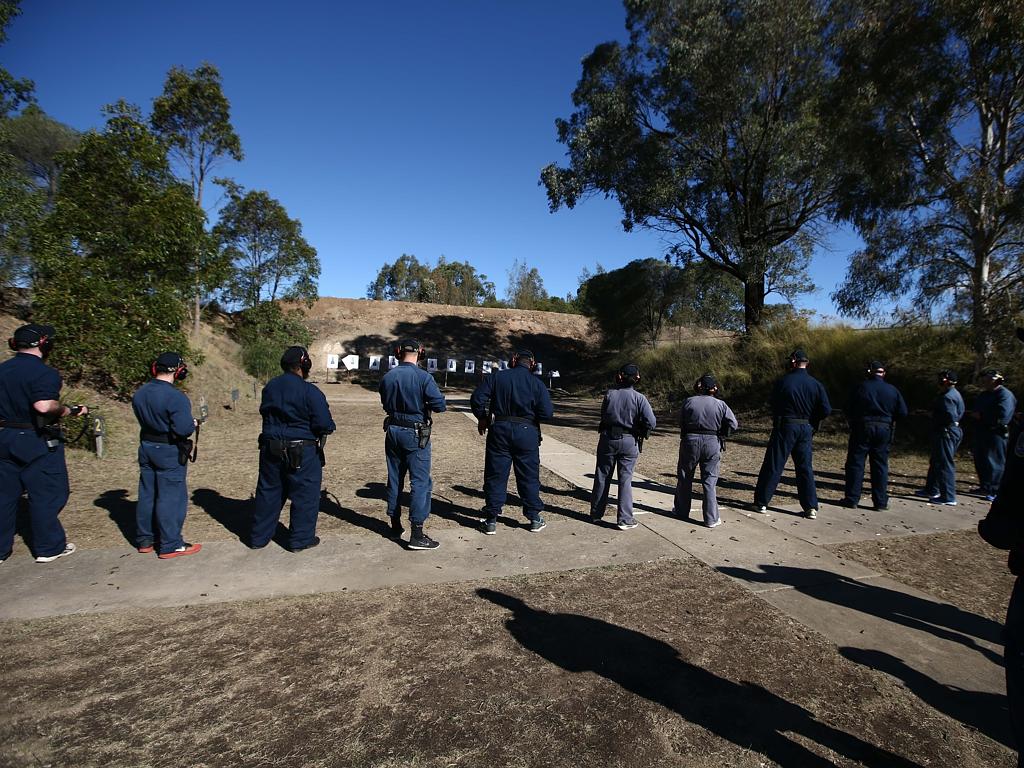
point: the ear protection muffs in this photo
(515, 361)
(398, 350)
(305, 362)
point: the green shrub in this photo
(264, 333)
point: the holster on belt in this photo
(423, 430)
(184, 445)
(286, 451)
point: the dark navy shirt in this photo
(798, 395)
(948, 409)
(995, 407)
(875, 400)
(408, 392)
(294, 409)
(161, 407)
(25, 379)
(513, 392)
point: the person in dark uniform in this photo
(704, 423)
(409, 394)
(872, 410)
(626, 419)
(1003, 528)
(509, 406)
(31, 446)
(165, 420)
(296, 421)
(799, 403)
(947, 411)
(993, 410)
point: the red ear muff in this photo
(181, 372)
(152, 369)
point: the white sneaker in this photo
(714, 524)
(69, 549)
(627, 526)
(761, 510)
(810, 514)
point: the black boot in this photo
(396, 526)
(420, 540)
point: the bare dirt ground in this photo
(667, 663)
(658, 664)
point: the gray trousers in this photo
(611, 453)
(703, 451)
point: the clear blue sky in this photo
(390, 128)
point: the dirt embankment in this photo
(363, 327)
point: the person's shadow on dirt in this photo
(986, 712)
(121, 510)
(513, 502)
(743, 713)
(234, 514)
(330, 505)
(439, 505)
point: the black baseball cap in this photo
(31, 334)
(629, 371)
(992, 373)
(707, 382)
(876, 365)
(169, 361)
(948, 375)
(798, 355)
(525, 354)
(293, 356)
(408, 345)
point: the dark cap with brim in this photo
(949, 375)
(169, 361)
(293, 356)
(408, 345)
(32, 333)
(524, 354)
(992, 373)
(707, 382)
(798, 355)
(876, 366)
(629, 371)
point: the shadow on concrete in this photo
(743, 713)
(234, 514)
(512, 500)
(330, 505)
(120, 509)
(939, 619)
(988, 713)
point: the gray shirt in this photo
(624, 407)
(705, 412)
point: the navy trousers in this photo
(45, 479)
(869, 441)
(941, 479)
(612, 452)
(163, 497)
(989, 459)
(276, 485)
(788, 440)
(702, 451)
(512, 445)
(405, 457)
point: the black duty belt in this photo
(788, 420)
(155, 437)
(15, 425)
(883, 422)
(516, 420)
(695, 431)
(615, 433)
(395, 421)
(290, 441)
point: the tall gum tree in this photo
(930, 102)
(194, 117)
(708, 126)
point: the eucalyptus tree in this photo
(194, 117)
(709, 127)
(930, 104)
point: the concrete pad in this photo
(117, 579)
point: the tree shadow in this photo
(941, 620)
(987, 713)
(121, 510)
(234, 514)
(743, 713)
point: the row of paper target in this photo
(451, 365)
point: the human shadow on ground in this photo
(330, 505)
(234, 514)
(440, 506)
(986, 712)
(942, 620)
(513, 501)
(743, 713)
(121, 510)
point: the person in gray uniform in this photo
(704, 424)
(626, 419)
